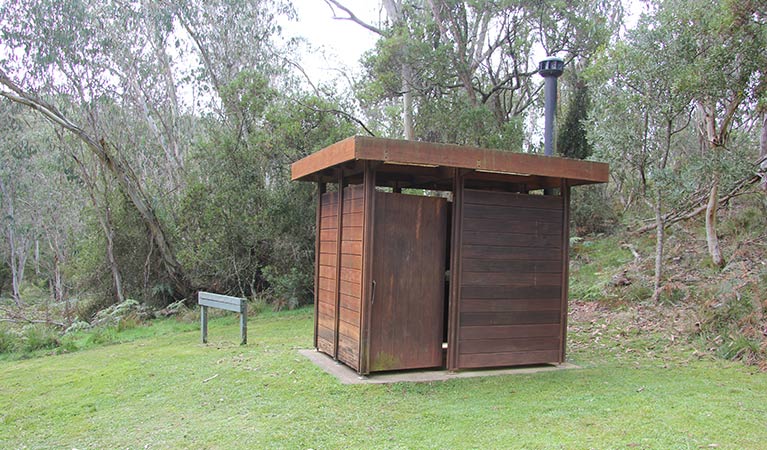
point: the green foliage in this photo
(747, 221)
(592, 210)
(38, 337)
(468, 65)
(730, 321)
(571, 139)
(288, 289)
(8, 339)
(245, 227)
(88, 308)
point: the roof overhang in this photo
(430, 160)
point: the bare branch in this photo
(351, 17)
(338, 112)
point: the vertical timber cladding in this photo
(346, 290)
(510, 304)
(406, 308)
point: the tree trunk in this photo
(715, 137)
(394, 11)
(58, 286)
(18, 250)
(121, 170)
(763, 151)
(113, 266)
(105, 221)
(711, 210)
(659, 241)
(407, 103)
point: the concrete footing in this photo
(347, 375)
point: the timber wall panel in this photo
(351, 277)
(511, 279)
(326, 308)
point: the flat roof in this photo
(413, 154)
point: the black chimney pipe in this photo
(550, 69)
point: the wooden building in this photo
(472, 275)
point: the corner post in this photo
(244, 323)
(317, 229)
(368, 232)
(565, 193)
(204, 323)
(455, 272)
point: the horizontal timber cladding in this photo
(339, 288)
(350, 277)
(511, 267)
(326, 297)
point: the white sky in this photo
(338, 44)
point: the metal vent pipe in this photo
(550, 69)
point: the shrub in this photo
(592, 211)
(38, 337)
(87, 309)
(8, 340)
(102, 335)
(77, 325)
(288, 288)
(731, 322)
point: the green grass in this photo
(593, 264)
(633, 391)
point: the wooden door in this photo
(406, 315)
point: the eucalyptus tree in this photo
(472, 64)
(56, 204)
(18, 233)
(732, 36)
(73, 55)
(725, 72)
(640, 109)
(112, 74)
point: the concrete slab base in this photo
(346, 375)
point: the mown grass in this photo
(151, 392)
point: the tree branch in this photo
(338, 112)
(678, 216)
(352, 17)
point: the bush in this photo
(731, 322)
(78, 325)
(102, 335)
(115, 314)
(287, 289)
(87, 310)
(8, 340)
(38, 337)
(592, 211)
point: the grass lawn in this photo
(633, 391)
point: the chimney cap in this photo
(551, 67)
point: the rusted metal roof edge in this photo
(449, 155)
